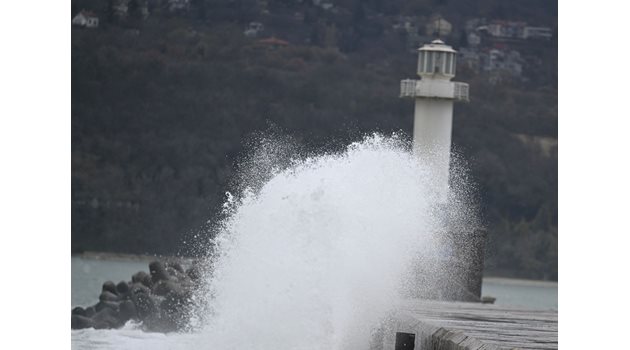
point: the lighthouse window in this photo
(454, 64)
(429, 62)
(438, 62)
(449, 64)
(425, 66)
(421, 61)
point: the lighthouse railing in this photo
(407, 88)
(461, 91)
(434, 89)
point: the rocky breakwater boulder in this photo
(162, 300)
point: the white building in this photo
(515, 30)
(469, 58)
(327, 6)
(499, 61)
(473, 23)
(506, 29)
(121, 9)
(473, 39)
(253, 29)
(537, 33)
(178, 5)
(85, 19)
(438, 26)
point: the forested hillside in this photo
(162, 104)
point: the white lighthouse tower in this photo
(462, 266)
(433, 118)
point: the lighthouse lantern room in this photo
(436, 60)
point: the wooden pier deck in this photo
(472, 326)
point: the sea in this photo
(88, 275)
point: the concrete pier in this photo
(472, 326)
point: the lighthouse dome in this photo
(436, 60)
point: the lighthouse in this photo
(434, 95)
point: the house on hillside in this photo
(123, 9)
(473, 39)
(85, 19)
(506, 29)
(178, 5)
(438, 26)
(469, 58)
(253, 29)
(538, 33)
(120, 9)
(472, 24)
(327, 6)
(514, 30)
(506, 62)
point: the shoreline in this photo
(92, 255)
(130, 257)
(515, 281)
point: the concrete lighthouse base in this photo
(454, 274)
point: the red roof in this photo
(88, 13)
(274, 41)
